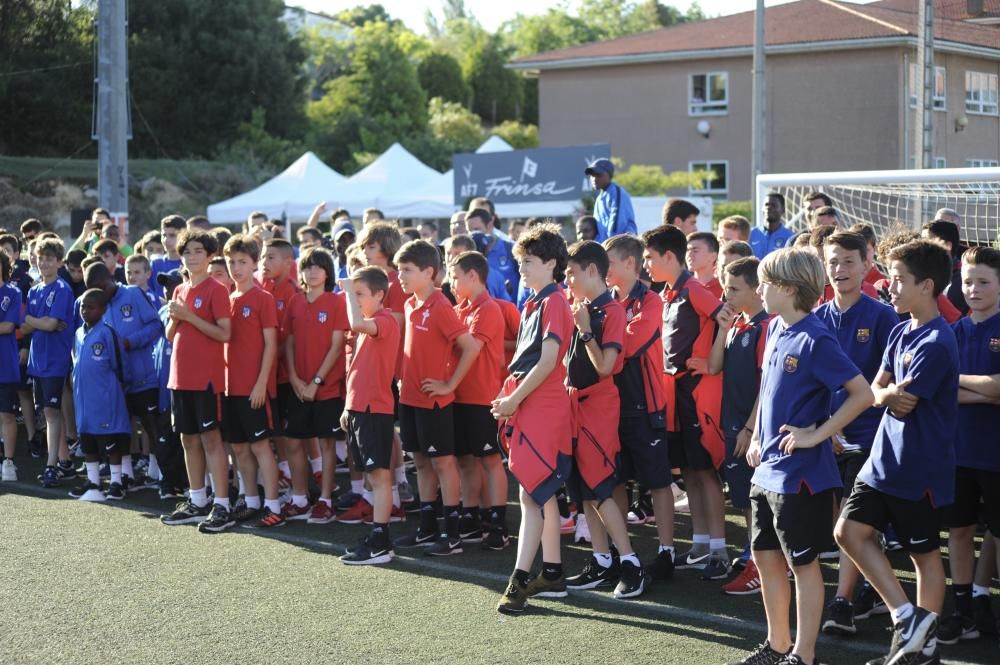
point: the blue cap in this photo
(482, 241)
(600, 166)
(342, 227)
(170, 279)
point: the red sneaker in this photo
(292, 512)
(318, 477)
(744, 584)
(321, 514)
(284, 482)
(360, 512)
(397, 514)
(567, 525)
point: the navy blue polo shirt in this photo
(914, 457)
(863, 332)
(98, 376)
(741, 371)
(10, 312)
(607, 322)
(979, 353)
(803, 366)
(50, 351)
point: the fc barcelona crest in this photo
(198, 302)
(98, 348)
(863, 335)
(5, 305)
(245, 311)
(50, 299)
(322, 317)
(126, 311)
(995, 344)
(907, 359)
(791, 363)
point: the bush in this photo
(724, 209)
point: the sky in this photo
(491, 13)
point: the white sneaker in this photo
(9, 472)
(582, 534)
(94, 496)
(681, 505)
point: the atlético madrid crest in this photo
(995, 344)
(246, 311)
(322, 317)
(863, 335)
(791, 363)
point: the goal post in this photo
(887, 199)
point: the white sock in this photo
(222, 502)
(395, 496)
(328, 502)
(630, 557)
(316, 464)
(300, 501)
(341, 448)
(153, 470)
(716, 544)
(253, 502)
(284, 469)
(604, 560)
(367, 496)
(94, 473)
(700, 539)
(127, 466)
(116, 473)
(977, 589)
(243, 487)
(274, 505)
(358, 486)
(199, 497)
(902, 612)
(401, 473)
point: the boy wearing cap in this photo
(613, 207)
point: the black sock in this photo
(563, 503)
(380, 534)
(428, 520)
(498, 515)
(451, 520)
(485, 515)
(551, 571)
(469, 513)
(521, 576)
(963, 599)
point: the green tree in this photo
(518, 135)
(496, 91)
(645, 180)
(258, 149)
(441, 76)
(555, 29)
(360, 15)
(457, 128)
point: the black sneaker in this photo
(66, 470)
(116, 492)
(266, 520)
(867, 603)
(632, 582)
(36, 447)
(594, 576)
(445, 546)
(982, 611)
(186, 513)
(718, 568)
(497, 539)
(470, 529)
(88, 492)
(50, 477)
(762, 655)
(366, 553)
(662, 568)
(135, 483)
(693, 560)
(839, 618)
(922, 658)
(909, 636)
(243, 513)
(416, 539)
(957, 627)
(219, 519)
(514, 599)
(795, 659)
(170, 492)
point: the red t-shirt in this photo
(312, 325)
(874, 275)
(485, 322)
(428, 349)
(370, 374)
(395, 302)
(511, 322)
(283, 292)
(251, 313)
(714, 287)
(198, 361)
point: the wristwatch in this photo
(318, 380)
(586, 337)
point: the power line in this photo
(61, 161)
(39, 70)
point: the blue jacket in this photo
(614, 214)
(99, 375)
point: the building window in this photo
(718, 184)
(708, 94)
(981, 93)
(939, 163)
(982, 163)
(938, 100)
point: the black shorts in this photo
(194, 411)
(310, 420)
(977, 492)
(110, 444)
(48, 391)
(579, 491)
(737, 473)
(686, 451)
(144, 403)
(8, 398)
(369, 437)
(241, 423)
(645, 454)
(849, 464)
(427, 431)
(917, 523)
(285, 397)
(799, 525)
(475, 430)
(395, 398)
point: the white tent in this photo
(294, 192)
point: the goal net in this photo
(889, 199)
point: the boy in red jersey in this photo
(535, 407)
(249, 408)
(368, 419)
(701, 259)
(199, 327)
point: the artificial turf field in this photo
(107, 583)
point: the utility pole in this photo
(757, 141)
(112, 110)
(924, 126)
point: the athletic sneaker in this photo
(284, 482)
(367, 554)
(641, 511)
(186, 513)
(922, 658)
(292, 512)
(839, 618)
(347, 501)
(88, 492)
(957, 627)
(594, 576)
(982, 610)
(115, 492)
(632, 582)
(242, 512)
(444, 546)
(170, 492)
(762, 655)
(662, 568)
(150, 483)
(321, 513)
(718, 567)
(35, 446)
(397, 515)
(892, 543)
(8, 473)
(497, 539)
(471, 529)
(567, 525)
(74, 447)
(514, 599)
(795, 659)
(66, 470)
(746, 583)
(405, 493)
(740, 562)
(416, 539)
(692, 560)
(267, 519)
(582, 531)
(218, 520)
(909, 636)
(867, 603)
(539, 587)
(361, 511)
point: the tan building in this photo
(837, 93)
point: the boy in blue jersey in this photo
(791, 500)
(49, 319)
(911, 468)
(137, 273)
(136, 322)
(977, 457)
(170, 228)
(100, 373)
(862, 325)
(169, 452)
(10, 373)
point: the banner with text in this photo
(520, 176)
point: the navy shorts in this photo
(48, 391)
(686, 450)
(8, 398)
(737, 473)
(645, 453)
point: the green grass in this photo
(87, 583)
(23, 169)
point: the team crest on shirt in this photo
(50, 299)
(126, 311)
(426, 314)
(280, 305)
(322, 317)
(503, 261)
(98, 348)
(245, 311)
(629, 314)
(5, 303)
(907, 359)
(198, 302)
(995, 344)
(791, 363)
(863, 335)
(745, 341)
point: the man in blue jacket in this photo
(613, 207)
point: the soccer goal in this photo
(887, 199)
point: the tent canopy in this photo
(294, 192)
